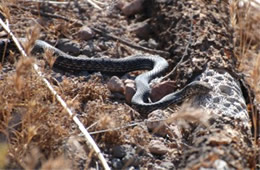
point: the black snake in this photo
(155, 64)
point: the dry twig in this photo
(94, 4)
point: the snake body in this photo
(155, 64)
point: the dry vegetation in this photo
(245, 21)
(35, 129)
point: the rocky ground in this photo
(36, 132)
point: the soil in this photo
(38, 131)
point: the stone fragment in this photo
(90, 49)
(74, 150)
(129, 90)
(3, 34)
(141, 29)
(156, 124)
(131, 157)
(161, 90)
(119, 151)
(157, 147)
(117, 163)
(85, 33)
(152, 43)
(133, 7)
(115, 84)
(167, 165)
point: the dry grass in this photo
(29, 117)
(246, 23)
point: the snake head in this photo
(197, 87)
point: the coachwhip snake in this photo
(155, 64)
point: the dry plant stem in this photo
(117, 128)
(5, 47)
(58, 97)
(94, 4)
(109, 35)
(100, 3)
(245, 45)
(48, 2)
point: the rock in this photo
(167, 165)
(152, 43)
(69, 46)
(118, 151)
(120, 4)
(129, 90)
(74, 147)
(116, 85)
(105, 45)
(85, 33)
(161, 165)
(175, 131)
(131, 158)
(157, 147)
(141, 29)
(156, 124)
(117, 163)
(124, 155)
(90, 48)
(133, 7)
(220, 164)
(75, 152)
(161, 90)
(143, 43)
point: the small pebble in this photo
(129, 91)
(161, 90)
(85, 33)
(157, 147)
(133, 7)
(115, 84)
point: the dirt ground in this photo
(37, 132)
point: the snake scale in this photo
(155, 64)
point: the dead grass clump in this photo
(29, 118)
(246, 23)
(23, 66)
(4, 10)
(91, 90)
(57, 163)
(94, 89)
(139, 135)
(255, 77)
(32, 36)
(106, 117)
(188, 114)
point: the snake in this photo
(155, 65)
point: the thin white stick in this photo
(56, 2)
(100, 3)
(49, 2)
(94, 4)
(58, 97)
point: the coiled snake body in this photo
(155, 64)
